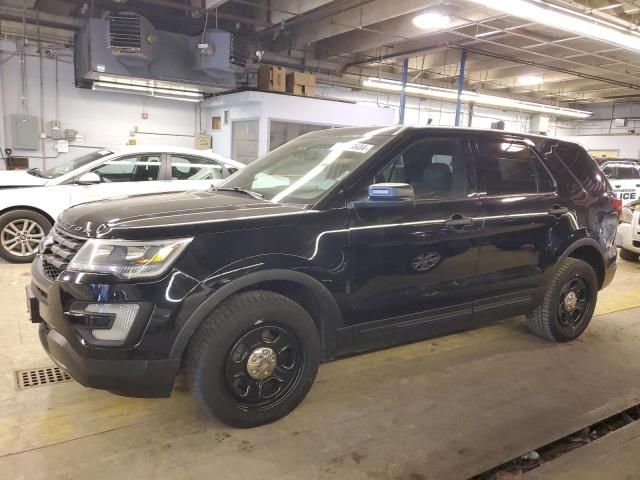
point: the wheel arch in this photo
(312, 295)
(28, 207)
(589, 251)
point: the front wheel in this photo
(254, 359)
(21, 232)
(569, 302)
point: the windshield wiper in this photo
(35, 172)
(256, 195)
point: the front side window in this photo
(436, 168)
(72, 165)
(132, 168)
(303, 170)
(621, 171)
(508, 168)
(187, 167)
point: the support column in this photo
(463, 61)
(403, 93)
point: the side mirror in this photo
(383, 195)
(88, 178)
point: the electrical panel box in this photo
(54, 129)
(25, 132)
(203, 141)
(539, 124)
(70, 134)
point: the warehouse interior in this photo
(238, 80)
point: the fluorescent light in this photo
(488, 34)
(565, 20)
(431, 20)
(528, 80)
(185, 95)
(473, 97)
(183, 99)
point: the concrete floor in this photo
(441, 409)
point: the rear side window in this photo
(621, 171)
(509, 168)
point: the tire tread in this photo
(540, 319)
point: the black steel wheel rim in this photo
(574, 303)
(250, 393)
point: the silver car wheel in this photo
(21, 237)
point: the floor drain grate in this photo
(37, 377)
(532, 460)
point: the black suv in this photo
(338, 242)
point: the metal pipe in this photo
(403, 93)
(39, 46)
(463, 61)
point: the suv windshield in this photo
(303, 170)
(71, 165)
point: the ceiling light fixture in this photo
(530, 80)
(432, 20)
(566, 20)
(184, 95)
(473, 97)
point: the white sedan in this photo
(31, 200)
(628, 236)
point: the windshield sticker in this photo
(358, 147)
(353, 147)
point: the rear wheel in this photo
(568, 304)
(254, 359)
(628, 255)
(21, 232)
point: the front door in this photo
(128, 175)
(414, 266)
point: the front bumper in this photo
(138, 378)
(142, 369)
(628, 235)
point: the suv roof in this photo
(391, 130)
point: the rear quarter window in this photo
(572, 166)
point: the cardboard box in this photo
(303, 91)
(300, 83)
(272, 79)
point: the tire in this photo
(628, 255)
(552, 320)
(20, 234)
(220, 353)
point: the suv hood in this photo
(20, 178)
(173, 215)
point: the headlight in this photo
(626, 215)
(128, 259)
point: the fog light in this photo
(124, 315)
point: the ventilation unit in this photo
(125, 51)
(130, 38)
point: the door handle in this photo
(458, 222)
(617, 186)
(557, 211)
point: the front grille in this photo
(58, 253)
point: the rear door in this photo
(625, 179)
(192, 172)
(413, 266)
(522, 212)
